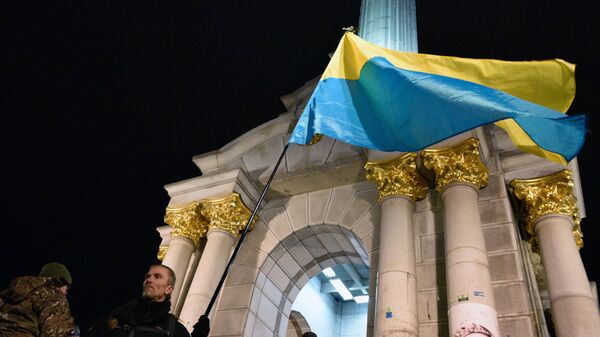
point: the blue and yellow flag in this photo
(388, 100)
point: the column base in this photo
(473, 319)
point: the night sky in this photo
(104, 103)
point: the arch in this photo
(297, 325)
(295, 239)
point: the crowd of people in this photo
(37, 306)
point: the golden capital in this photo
(162, 252)
(228, 214)
(187, 222)
(398, 176)
(315, 139)
(551, 194)
(460, 163)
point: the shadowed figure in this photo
(146, 316)
(36, 306)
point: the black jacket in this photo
(145, 318)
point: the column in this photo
(550, 216)
(390, 23)
(188, 227)
(399, 187)
(226, 218)
(459, 174)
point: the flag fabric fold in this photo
(388, 100)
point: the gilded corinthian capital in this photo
(228, 214)
(315, 139)
(460, 163)
(398, 176)
(551, 194)
(187, 222)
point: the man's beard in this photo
(148, 294)
(152, 297)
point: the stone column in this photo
(188, 227)
(459, 175)
(226, 218)
(550, 216)
(399, 187)
(390, 23)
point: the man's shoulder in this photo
(126, 306)
(124, 312)
(24, 287)
(48, 294)
(47, 290)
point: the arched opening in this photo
(297, 325)
(335, 301)
(294, 240)
(305, 274)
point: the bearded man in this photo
(147, 316)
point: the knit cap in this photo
(58, 271)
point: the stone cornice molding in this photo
(213, 186)
(187, 222)
(457, 164)
(547, 195)
(229, 214)
(165, 234)
(397, 177)
(216, 160)
(298, 98)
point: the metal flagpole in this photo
(201, 328)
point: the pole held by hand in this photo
(202, 327)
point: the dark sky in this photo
(103, 103)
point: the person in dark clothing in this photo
(36, 306)
(309, 334)
(147, 316)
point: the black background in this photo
(103, 103)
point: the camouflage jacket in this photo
(34, 307)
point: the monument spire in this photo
(390, 23)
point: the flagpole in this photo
(204, 317)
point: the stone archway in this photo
(297, 259)
(297, 325)
(295, 240)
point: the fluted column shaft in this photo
(178, 258)
(551, 216)
(390, 23)
(226, 218)
(459, 175)
(396, 304)
(208, 273)
(188, 226)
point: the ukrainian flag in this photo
(388, 100)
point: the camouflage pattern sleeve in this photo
(54, 315)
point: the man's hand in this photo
(202, 327)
